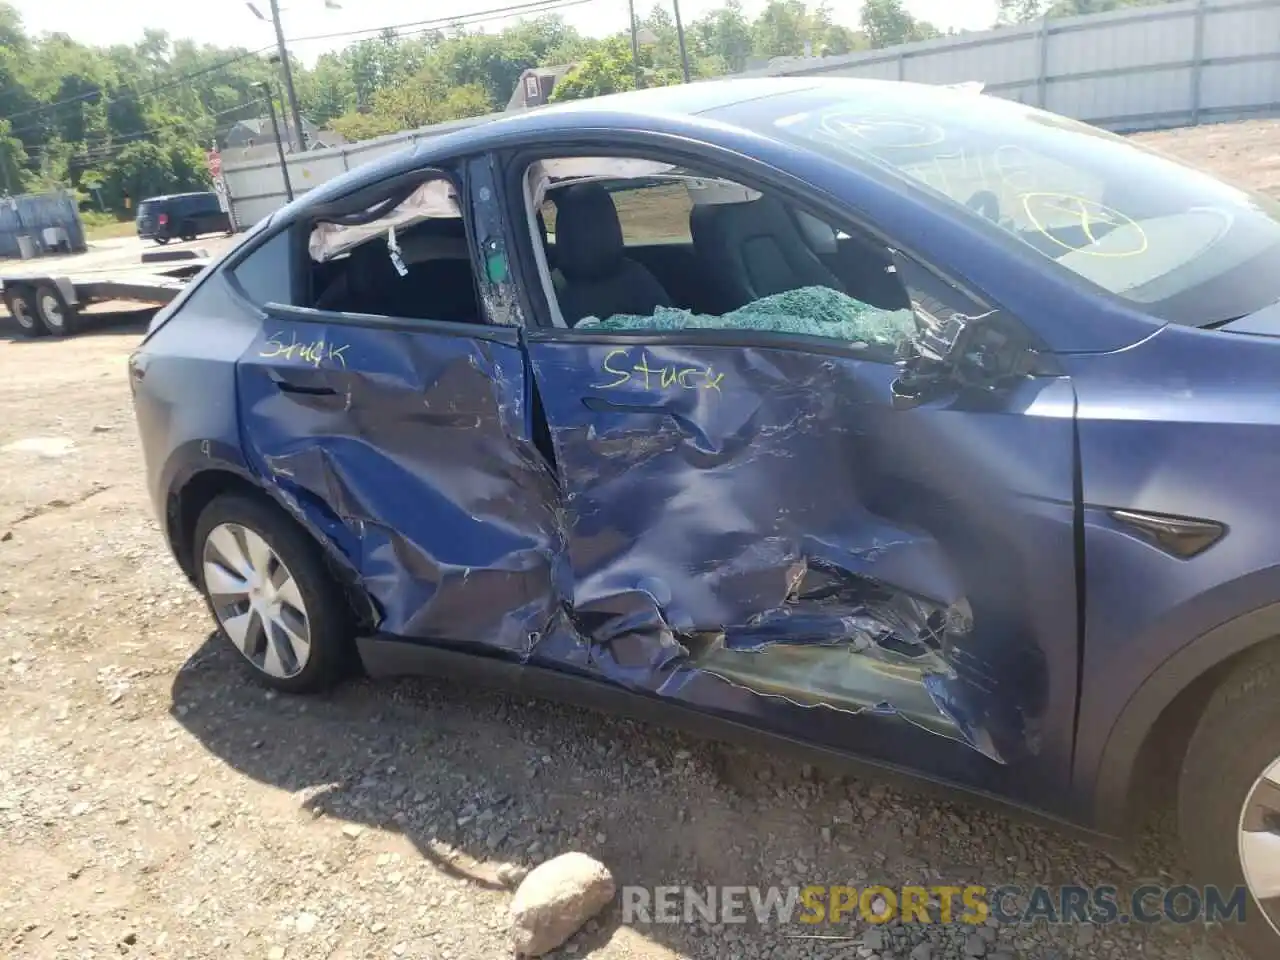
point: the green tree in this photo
(724, 34)
(13, 160)
(328, 90)
(831, 39)
(364, 126)
(139, 116)
(781, 29)
(608, 69)
(887, 23)
(1024, 11)
(1019, 11)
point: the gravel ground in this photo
(153, 804)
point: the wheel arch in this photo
(188, 500)
(1149, 738)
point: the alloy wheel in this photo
(1259, 843)
(256, 600)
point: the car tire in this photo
(161, 240)
(59, 318)
(1236, 740)
(18, 301)
(270, 651)
(188, 232)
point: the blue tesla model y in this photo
(899, 424)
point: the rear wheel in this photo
(187, 231)
(1229, 798)
(267, 587)
(19, 303)
(161, 239)
(59, 318)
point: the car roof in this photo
(178, 196)
(683, 108)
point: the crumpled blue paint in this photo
(667, 521)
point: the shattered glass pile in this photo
(812, 311)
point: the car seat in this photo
(753, 250)
(594, 276)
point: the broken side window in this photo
(677, 249)
(403, 255)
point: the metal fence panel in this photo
(1224, 87)
(1014, 61)
(878, 70)
(1235, 33)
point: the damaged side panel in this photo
(753, 532)
(757, 532)
(411, 448)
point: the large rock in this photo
(555, 899)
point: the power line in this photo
(126, 93)
(159, 128)
(113, 146)
(421, 26)
(469, 19)
(463, 19)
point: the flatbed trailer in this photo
(54, 304)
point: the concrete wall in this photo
(1169, 65)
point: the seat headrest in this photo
(421, 247)
(741, 221)
(588, 234)
(818, 234)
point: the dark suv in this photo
(184, 215)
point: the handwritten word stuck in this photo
(314, 352)
(625, 368)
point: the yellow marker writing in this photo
(315, 353)
(1090, 215)
(620, 365)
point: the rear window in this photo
(435, 198)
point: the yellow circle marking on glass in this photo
(867, 129)
(1090, 214)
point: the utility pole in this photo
(684, 53)
(275, 128)
(300, 141)
(635, 43)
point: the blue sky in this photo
(230, 23)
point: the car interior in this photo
(437, 283)
(406, 256)
(722, 245)
(680, 240)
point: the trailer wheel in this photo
(58, 317)
(18, 302)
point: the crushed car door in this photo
(871, 556)
(391, 417)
